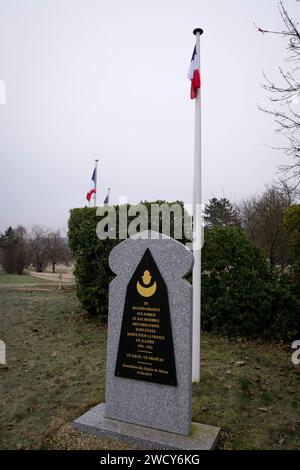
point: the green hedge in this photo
(240, 296)
(92, 272)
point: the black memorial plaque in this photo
(146, 350)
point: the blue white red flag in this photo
(194, 74)
(93, 186)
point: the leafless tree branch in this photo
(287, 95)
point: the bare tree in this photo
(56, 248)
(285, 95)
(262, 217)
(39, 246)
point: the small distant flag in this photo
(106, 200)
(194, 74)
(93, 184)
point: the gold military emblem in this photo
(146, 291)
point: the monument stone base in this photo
(202, 436)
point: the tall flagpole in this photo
(96, 170)
(197, 225)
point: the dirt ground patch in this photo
(67, 438)
(31, 289)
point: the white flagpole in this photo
(95, 195)
(108, 195)
(197, 226)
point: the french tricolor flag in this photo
(194, 74)
(93, 188)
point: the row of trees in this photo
(39, 247)
(271, 220)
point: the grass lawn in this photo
(12, 279)
(56, 370)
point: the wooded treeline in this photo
(39, 247)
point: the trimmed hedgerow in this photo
(92, 271)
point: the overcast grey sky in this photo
(102, 79)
